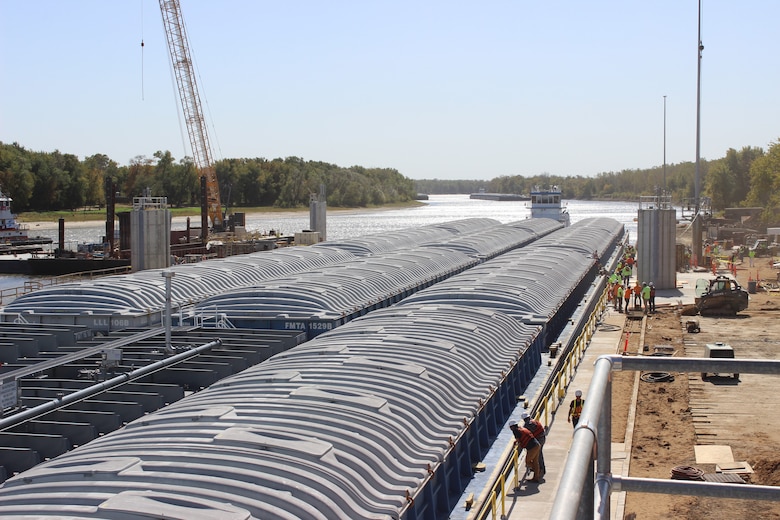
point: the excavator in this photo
(193, 115)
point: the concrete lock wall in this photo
(656, 245)
(150, 239)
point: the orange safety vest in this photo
(524, 437)
(536, 428)
(576, 407)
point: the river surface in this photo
(355, 223)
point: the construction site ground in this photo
(685, 421)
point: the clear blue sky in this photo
(437, 89)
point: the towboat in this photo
(13, 234)
(547, 203)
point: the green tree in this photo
(739, 163)
(765, 184)
(73, 181)
(49, 179)
(16, 178)
(98, 168)
(295, 189)
(139, 177)
(720, 186)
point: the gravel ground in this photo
(672, 417)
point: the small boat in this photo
(547, 203)
(12, 233)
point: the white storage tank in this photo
(318, 207)
(150, 240)
(656, 242)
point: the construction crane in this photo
(191, 106)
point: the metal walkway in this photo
(530, 500)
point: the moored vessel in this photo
(13, 233)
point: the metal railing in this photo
(583, 496)
(547, 404)
(655, 202)
(11, 293)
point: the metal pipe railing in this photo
(552, 393)
(548, 403)
(697, 488)
(104, 386)
(572, 500)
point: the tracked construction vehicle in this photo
(721, 296)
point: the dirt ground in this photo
(672, 417)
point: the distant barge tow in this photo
(498, 196)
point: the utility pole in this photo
(664, 145)
(697, 220)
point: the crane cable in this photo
(142, 50)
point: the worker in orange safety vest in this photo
(539, 433)
(637, 295)
(575, 408)
(524, 439)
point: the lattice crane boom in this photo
(191, 105)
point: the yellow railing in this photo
(549, 403)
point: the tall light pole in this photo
(697, 223)
(664, 145)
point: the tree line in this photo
(749, 177)
(51, 181)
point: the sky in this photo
(433, 88)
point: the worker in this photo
(575, 408)
(626, 274)
(619, 297)
(627, 296)
(637, 295)
(751, 256)
(652, 297)
(539, 433)
(524, 439)
(645, 296)
(630, 261)
(615, 299)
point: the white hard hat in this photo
(578, 393)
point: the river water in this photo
(355, 223)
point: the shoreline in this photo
(45, 225)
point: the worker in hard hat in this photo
(646, 296)
(539, 433)
(575, 408)
(524, 439)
